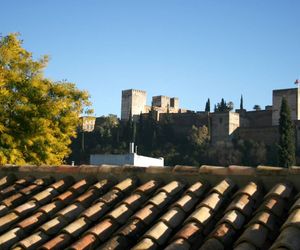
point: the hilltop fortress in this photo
(259, 125)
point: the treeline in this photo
(159, 139)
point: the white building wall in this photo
(143, 161)
(130, 159)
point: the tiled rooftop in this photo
(109, 207)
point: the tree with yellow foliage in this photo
(38, 117)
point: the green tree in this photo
(286, 152)
(257, 107)
(38, 116)
(242, 103)
(198, 136)
(207, 105)
(223, 106)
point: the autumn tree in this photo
(38, 116)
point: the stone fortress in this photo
(134, 104)
(259, 125)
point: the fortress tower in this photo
(292, 97)
(133, 103)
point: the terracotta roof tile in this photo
(191, 232)
(123, 186)
(88, 241)
(146, 244)
(32, 242)
(186, 202)
(245, 246)
(284, 190)
(243, 204)
(46, 196)
(7, 220)
(31, 222)
(159, 233)
(60, 213)
(201, 215)
(148, 187)
(172, 188)
(267, 219)
(197, 189)
(252, 189)
(63, 184)
(77, 227)
(224, 233)
(54, 225)
(51, 208)
(256, 235)
(14, 200)
(87, 198)
(59, 242)
(11, 237)
(275, 205)
(134, 201)
(160, 200)
(225, 187)
(174, 217)
(70, 212)
(26, 208)
(96, 211)
(235, 218)
(132, 230)
(111, 196)
(103, 229)
(293, 219)
(7, 180)
(118, 242)
(147, 214)
(120, 214)
(213, 201)
(179, 244)
(3, 209)
(289, 238)
(212, 244)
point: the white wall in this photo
(131, 159)
(144, 161)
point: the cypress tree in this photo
(241, 103)
(286, 152)
(207, 105)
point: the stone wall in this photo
(133, 103)
(256, 119)
(292, 97)
(183, 122)
(161, 101)
(268, 135)
(223, 125)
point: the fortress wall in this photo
(291, 96)
(219, 127)
(161, 101)
(183, 122)
(234, 122)
(268, 135)
(256, 119)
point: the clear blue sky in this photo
(191, 49)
